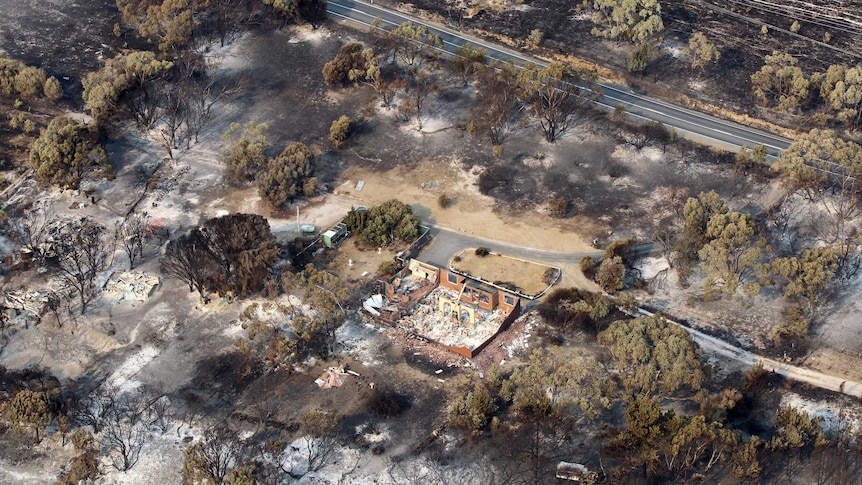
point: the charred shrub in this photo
(494, 179)
(570, 310)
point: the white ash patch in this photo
(123, 377)
(833, 416)
(653, 154)
(539, 161)
(305, 33)
(650, 267)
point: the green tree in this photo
(554, 95)
(780, 82)
(653, 356)
(701, 51)
(170, 23)
(31, 409)
(820, 158)
(325, 293)
(695, 220)
(536, 36)
(471, 411)
(350, 58)
(732, 253)
(20, 80)
(797, 434)
(468, 60)
(246, 155)
(611, 274)
(564, 380)
(286, 174)
(640, 58)
(841, 90)
(384, 224)
(52, 90)
(806, 277)
(676, 446)
(550, 393)
(385, 83)
(748, 160)
(412, 42)
(120, 74)
(631, 20)
(30, 82)
(65, 151)
(745, 463)
(339, 130)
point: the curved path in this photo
(689, 123)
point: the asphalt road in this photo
(445, 243)
(688, 123)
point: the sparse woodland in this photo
(632, 397)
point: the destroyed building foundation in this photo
(448, 309)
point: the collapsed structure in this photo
(449, 309)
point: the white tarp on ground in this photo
(374, 304)
(125, 285)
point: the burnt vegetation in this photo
(636, 403)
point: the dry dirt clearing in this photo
(470, 212)
(498, 268)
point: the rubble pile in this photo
(425, 319)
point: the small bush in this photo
(339, 131)
(387, 268)
(588, 266)
(53, 91)
(337, 71)
(536, 36)
(611, 274)
(473, 411)
(558, 207)
(550, 275)
(444, 201)
(482, 251)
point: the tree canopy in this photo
(65, 151)
(780, 82)
(733, 250)
(246, 154)
(126, 71)
(631, 20)
(653, 356)
(554, 95)
(286, 175)
(841, 89)
(385, 224)
(233, 253)
(702, 51)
